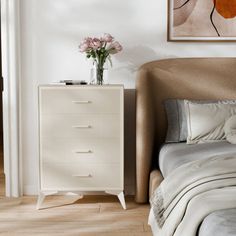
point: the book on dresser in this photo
(81, 140)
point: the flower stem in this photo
(100, 70)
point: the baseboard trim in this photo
(30, 190)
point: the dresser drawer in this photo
(80, 177)
(86, 150)
(78, 126)
(80, 100)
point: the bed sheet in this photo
(173, 155)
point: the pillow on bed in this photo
(177, 123)
(205, 121)
(230, 129)
(177, 130)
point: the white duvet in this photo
(190, 193)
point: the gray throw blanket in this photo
(193, 191)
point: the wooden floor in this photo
(65, 215)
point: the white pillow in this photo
(206, 121)
(230, 129)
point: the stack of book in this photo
(71, 82)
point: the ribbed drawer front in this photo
(76, 177)
(79, 100)
(82, 150)
(76, 126)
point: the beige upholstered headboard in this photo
(190, 78)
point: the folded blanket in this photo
(193, 191)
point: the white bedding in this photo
(174, 155)
(218, 223)
(177, 154)
(191, 192)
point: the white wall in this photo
(51, 32)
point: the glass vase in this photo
(100, 72)
(99, 75)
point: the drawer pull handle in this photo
(83, 151)
(83, 176)
(81, 102)
(82, 126)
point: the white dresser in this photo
(81, 139)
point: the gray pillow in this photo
(177, 122)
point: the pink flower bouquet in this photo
(100, 49)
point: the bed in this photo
(195, 78)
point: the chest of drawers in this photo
(81, 139)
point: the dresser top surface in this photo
(110, 86)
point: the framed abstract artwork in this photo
(202, 20)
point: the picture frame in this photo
(201, 20)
